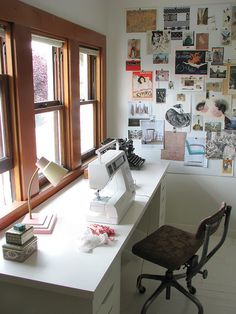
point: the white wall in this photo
(88, 13)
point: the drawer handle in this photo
(108, 293)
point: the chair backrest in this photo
(207, 227)
(212, 222)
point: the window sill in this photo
(18, 209)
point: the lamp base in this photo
(43, 224)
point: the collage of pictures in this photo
(181, 66)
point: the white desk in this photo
(60, 279)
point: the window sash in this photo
(56, 104)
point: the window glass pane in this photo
(48, 135)
(5, 191)
(42, 54)
(86, 127)
(2, 135)
(3, 68)
(83, 76)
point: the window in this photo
(40, 109)
(48, 96)
(88, 100)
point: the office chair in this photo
(173, 248)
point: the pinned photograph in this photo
(232, 79)
(181, 97)
(195, 151)
(134, 134)
(174, 146)
(225, 36)
(139, 109)
(214, 87)
(160, 57)
(160, 95)
(202, 41)
(197, 123)
(177, 117)
(190, 62)
(218, 71)
(162, 75)
(161, 41)
(142, 85)
(176, 18)
(188, 38)
(192, 83)
(221, 144)
(202, 16)
(133, 65)
(217, 55)
(139, 21)
(134, 48)
(152, 132)
(227, 167)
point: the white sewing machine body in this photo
(110, 175)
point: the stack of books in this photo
(20, 243)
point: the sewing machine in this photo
(111, 177)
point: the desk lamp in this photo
(54, 173)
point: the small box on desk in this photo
(19, 237)
(19, 253)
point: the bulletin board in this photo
(186, 81)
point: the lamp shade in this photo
(52, 171)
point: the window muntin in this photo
(48, 96)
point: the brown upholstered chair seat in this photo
(168, 247)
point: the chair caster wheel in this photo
(192, 290)
(141, 289)
(204, 274)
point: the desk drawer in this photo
(107, 295)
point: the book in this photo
(19, 253)
(18, 237)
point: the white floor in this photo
(217, 292)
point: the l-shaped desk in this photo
(59, 278)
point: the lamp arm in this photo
(29, 191)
